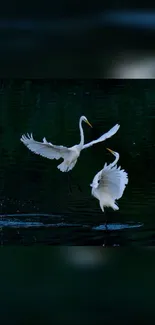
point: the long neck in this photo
(81, 133)
(115, 161)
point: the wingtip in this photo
(22, 137)
(27, 136)
(117, 126)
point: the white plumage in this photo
(69, 155)
(109, 184)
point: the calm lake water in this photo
(41, 205)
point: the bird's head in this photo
(116, 154)
(83, 118)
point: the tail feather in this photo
(115, 207)
(65, 167)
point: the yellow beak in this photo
(89, 123)
(110, 150)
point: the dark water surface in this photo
(41, 205)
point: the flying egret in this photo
(109, 184)
(70, 155)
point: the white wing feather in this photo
(96, 180)
(45, 149)
(113, 181)
(103, 137)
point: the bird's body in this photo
(69, 163)
(109, 184)
(69, 155)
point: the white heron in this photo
(109, 184)
(69, 155)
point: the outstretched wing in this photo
(103, 137)
(113, 181)
(45, 149)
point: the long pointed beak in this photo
(89, 123)
(110, 150)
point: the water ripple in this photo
(118, 226)
(10, 221)
(39, 220)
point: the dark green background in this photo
(33, 184)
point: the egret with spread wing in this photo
(109, 184)
(69, 155)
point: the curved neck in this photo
(115, 161)
(81, 133)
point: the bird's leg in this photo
(106, 232)
(79, 187)
(73, 180)
(69, 183)
(102, 208)
(106, 227)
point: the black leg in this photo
(106, 234)
(69, 182)
(106, 222)
(106, 227)
(106, 230)
(79, 187)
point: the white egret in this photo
(109, 184)
(70, 155)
